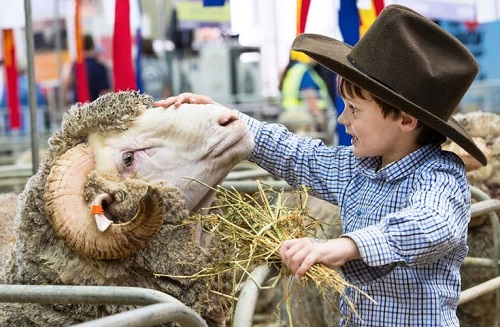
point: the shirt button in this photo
(359, 212)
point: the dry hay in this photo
(248, 231)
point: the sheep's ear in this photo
(73, 218)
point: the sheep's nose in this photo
(226, 120)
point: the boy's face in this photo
(374, 135)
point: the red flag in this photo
(81, 82)
(11, 79)
(123, 67)
(302, 11)
(378, 5)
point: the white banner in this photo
(11, 14)
(135, 15)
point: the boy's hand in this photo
(177, 100)
(299, 255)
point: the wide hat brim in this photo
(333, 54)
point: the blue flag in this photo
(349, 27)
(213, 3)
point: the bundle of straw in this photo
(249, 231)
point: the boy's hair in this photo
(426, 136)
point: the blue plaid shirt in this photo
(409, 220)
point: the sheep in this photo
(302, 122)
(484, 128)
(108, 202)
(299, 121)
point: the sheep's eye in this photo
(128, 158)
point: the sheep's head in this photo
(133, 162)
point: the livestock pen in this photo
(157, 307)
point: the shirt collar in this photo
(397, 169)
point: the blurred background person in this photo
(98, 78)
(305, 97)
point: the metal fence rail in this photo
(249, 294)
(159, 307)
(150, 315)
(13, 146)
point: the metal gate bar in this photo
(170, 309)
(249, 294)
(150, 315)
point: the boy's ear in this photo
(408, 123)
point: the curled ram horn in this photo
(72, 218)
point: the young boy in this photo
(404, 202)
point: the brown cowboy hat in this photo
(409, 62)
